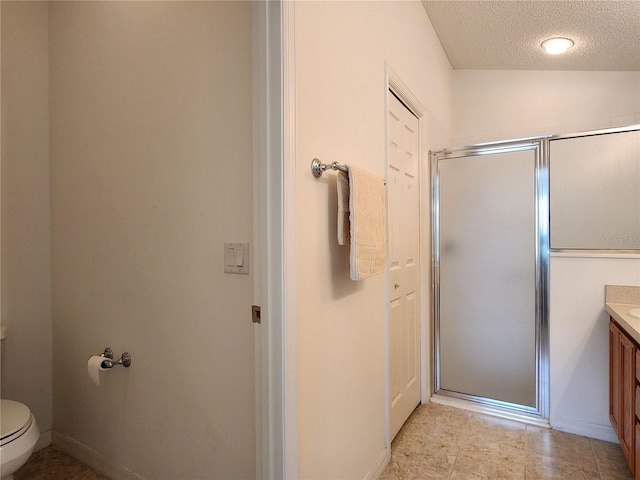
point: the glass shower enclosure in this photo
(490, 253)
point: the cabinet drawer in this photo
(638, 365)
(637, 403)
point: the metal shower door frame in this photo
(539, 413)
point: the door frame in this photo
(276, 412)
(274, 239)
(539, 414)
(393, 83)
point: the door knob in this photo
(396, 285)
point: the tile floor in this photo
(441, 442)
(53, 464)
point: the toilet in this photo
(19, 434)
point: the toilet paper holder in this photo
(109, 362)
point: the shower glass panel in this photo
(594, 190)
(486, 251)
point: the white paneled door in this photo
(403, 196)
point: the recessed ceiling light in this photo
(556, 46)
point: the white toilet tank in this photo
(19, 432)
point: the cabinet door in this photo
(628, 393)
(637, 476)
(614, 377)
(637, 422)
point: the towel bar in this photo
(317, 167)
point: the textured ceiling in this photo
(506, 34)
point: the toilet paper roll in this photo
(94, 365)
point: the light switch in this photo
(236, 257)
(239, 257)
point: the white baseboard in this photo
(381, 463)
(586, 429)
(92, 458)
(43, 441)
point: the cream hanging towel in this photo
(361, 221)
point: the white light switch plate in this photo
(236, 257)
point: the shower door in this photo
(489, 251)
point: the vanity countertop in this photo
(620, 313)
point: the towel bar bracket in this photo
(317, 167)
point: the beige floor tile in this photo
(416, 467)
(479, 447)
(460, 475)
(418, 438)
(611, 462)
(507, 463)
(560, 445)
(53, 464)
(613, 476)
(442, 417)
(479, 420)
(553, 468)
(493, 433)
(388, 473)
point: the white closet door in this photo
(403, 196)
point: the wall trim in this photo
(288, 246)
(395, 84)
(94, 459)
(274, 240)
(595, 254)
(43, 441)
(381, 463)
(586, 429)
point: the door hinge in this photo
(255, 314)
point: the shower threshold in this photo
(479, 407)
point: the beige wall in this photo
(494, 105)
(26, 219)
(341, 49)
(151, 173)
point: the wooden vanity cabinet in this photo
(637, 417)
(624, 375)
(614, 376)
(637, 454)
